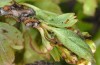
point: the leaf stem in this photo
(31, 6)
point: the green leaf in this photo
(73, 43)
(6, 52)
(55, 54)
(13, 34)
(64, 20)
(45, 42)
(10, 38)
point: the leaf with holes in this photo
(64, 20)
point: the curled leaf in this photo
(36, 41)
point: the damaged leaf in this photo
(64, 20)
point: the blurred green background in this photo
(87, 12)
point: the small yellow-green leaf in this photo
(55, 54)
